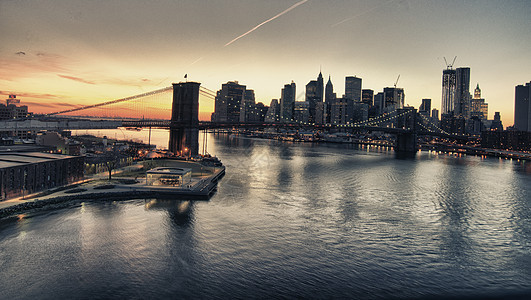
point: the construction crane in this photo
(449, 66)
(397, 80)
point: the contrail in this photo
(266, 21)
(361, 14)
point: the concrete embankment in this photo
(203, 190)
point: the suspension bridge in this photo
(177, 108)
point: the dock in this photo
(119, 189)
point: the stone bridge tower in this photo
(184, 126)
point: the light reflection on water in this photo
(291, 220)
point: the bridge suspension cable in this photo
(112, 102)
(207, 92)
(430, 123)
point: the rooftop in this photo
(169, 170)
(9, 159)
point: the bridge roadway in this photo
(60, 124)
(216, 125)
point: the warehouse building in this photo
(23, 173)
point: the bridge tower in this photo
(407, 142)
(184, 125)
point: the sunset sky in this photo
(55, 54)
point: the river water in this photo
(291, 221)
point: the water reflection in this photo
(180, 212)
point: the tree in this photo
(111, 158)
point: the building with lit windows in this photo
(301, 112)
(287, 102)
(228, 102)
(273, 112)
(23, 173)
(478, 108)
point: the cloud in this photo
(26, 65)
(76, 79)
(56, 105)
(31, 95)
(266, 21)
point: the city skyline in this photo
(58, 54)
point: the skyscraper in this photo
(287, 102)
(379, 103)
(314, 95)
(320, 87)
(353, 88)
(367, 97)
(393, 98)
(273, 113)
(478, 108)
(301, 112)
(329, 91)
(448, 91)
(330, 98)
(228, 102)
(435, 116)
(462, 92)
(248, 108)
(522, 107)
(312, 98)
(425, 107)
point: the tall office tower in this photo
(273, 112)
(425, 107)
(393, 98)
(435, 115)
(301, 112)
(353, 88)
(248, 108)
(261, 111)
(320, 113)
(228, 102)
(478, 108)
(367, 97)
(287, 102)
(330, 97)
(329, 91)
(522, 107)
(312, 97)
(448, 91)
(359, 112)
(341, 111)
(320, 87)
(477, 92)
(379, 103)
(462, 92)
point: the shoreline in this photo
(95, 191)
(421, 147)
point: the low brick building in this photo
(23, 173)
